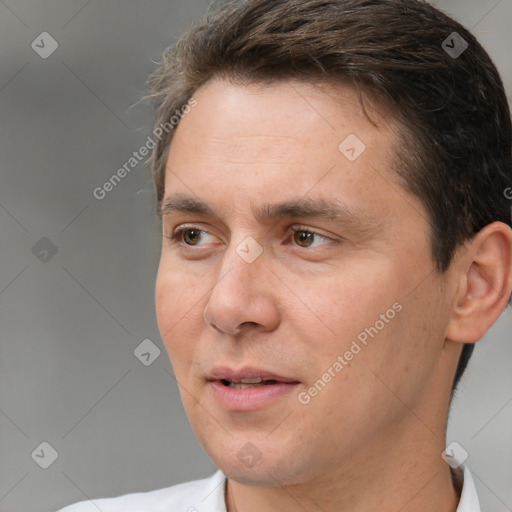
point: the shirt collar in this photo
(468, 498)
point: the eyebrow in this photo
(314, 208)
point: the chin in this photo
(262, 475)
(271, 472)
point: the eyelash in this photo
(300, 229)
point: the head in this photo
(350, 103)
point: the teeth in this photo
(239, 385)
(248, 383)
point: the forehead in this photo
(288, 112)
(287, 139)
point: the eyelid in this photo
(176, 232)
(309, 229)
(184, 227)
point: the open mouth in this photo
(236, 391)
(248, 383)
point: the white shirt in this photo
(207, 495)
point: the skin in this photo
(372, 438)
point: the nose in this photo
(243, 296)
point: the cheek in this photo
(165, 301)
(359, 321)
(348, 304)
(178, 304)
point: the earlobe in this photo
(485, 274)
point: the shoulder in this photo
(186, 497)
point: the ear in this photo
(484, 273)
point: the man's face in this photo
(238, 290)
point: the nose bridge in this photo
(242, 262)
(240, 295)
(238, 274)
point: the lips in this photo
(249, 389)
(247, 375)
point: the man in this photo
(336, 237)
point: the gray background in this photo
(69, 326)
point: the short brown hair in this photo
(455, 153)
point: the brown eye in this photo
(303, 238)
(191, 236)
(307, 238)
